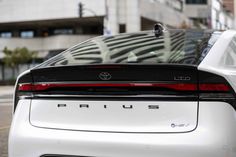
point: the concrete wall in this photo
(43, 44)
(123, 12)
(214, 11)
(157, 11)
(27, 10)
(200, 11)
(220, 18)
(133, 15)
(130, 12)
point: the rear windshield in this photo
(188, 47)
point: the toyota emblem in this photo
(105, 76)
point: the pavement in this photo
(4, 142)
(6, 97)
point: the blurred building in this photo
(136, 15)
(215, 14)
(49, 27)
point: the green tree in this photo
(13, 58)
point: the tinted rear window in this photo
(188, 47)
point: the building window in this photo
(122, 28)
(196, 1)
(6, 34)
(63, 31)
(92, 29)
(27, 34)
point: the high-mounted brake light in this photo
(47, 86)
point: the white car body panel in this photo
(204, 128)
(212, 138)
(92, 116)
(216, 62)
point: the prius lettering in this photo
(84, 105)
(61, 105)
(125, 107)
(153, 107)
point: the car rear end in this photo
(127, 95)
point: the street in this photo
(5, 117)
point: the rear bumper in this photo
(214, 137)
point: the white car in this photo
(168, 93)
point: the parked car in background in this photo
(144, 94)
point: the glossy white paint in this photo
(214, 137)
(115, 116)
(32, 133)
(216, 60)
(15, 87)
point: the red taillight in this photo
(46, 86)
(179, 87)
(25, 87)
(214, 87)
(176, 86)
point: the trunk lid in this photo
(116, 98)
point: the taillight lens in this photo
(210, 87)
(47, 86)
(178, 87)
(214, 87)
(25, 87)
